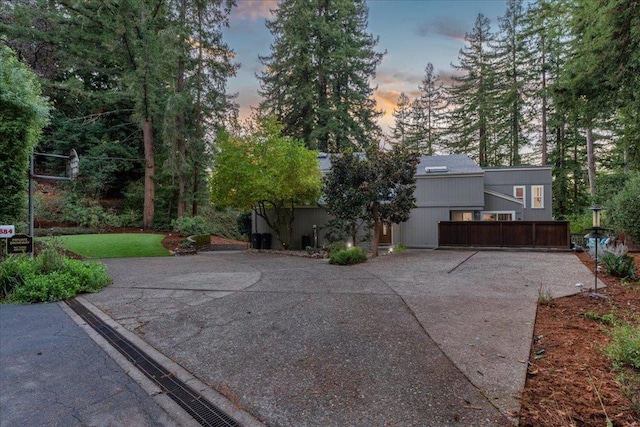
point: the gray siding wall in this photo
(503, 181)
(494, 203)
(421, 231)
(450, 191)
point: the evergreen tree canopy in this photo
(473, 97)
(318, 75)
(428, 114)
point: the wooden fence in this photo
(515, 234)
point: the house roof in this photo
(453, 164)
(437, 165)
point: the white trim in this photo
(533, 196)
(524, 194)
(512, 213)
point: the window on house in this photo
(498, 216)
(537, 197)
(520, 192)
(461, 216)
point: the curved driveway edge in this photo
(417, 338)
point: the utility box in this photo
(256, 241)
(266, 240)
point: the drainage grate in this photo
(203, 411)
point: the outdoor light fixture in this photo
(596, 215)
(596, 235)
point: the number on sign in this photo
(7, 231)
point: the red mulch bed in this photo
(569, 375)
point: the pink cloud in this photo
(253, 10)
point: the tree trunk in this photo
(377, 225)
(149, 172)
(180, 124)
(591, 162)
(544, 107)
(182, 147)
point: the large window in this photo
(537, 197)
(461, 216)
(498, 216)
(520, 192)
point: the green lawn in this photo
(116, 245)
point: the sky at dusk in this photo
(413, 33)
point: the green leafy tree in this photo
(372, 189)
(23, 114)
(624, 208)
(317, 78)
(344, 197)
(267, 173)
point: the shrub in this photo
(54, 286)
(579, 223)
(92, 276)
(624, 208)
(243, 223)
(354, 255)
(82, 211)
(617, 263)
(335, 247)
(14, 271)
(50, 258)
(191, 225)
(224, 223)
(49, 277)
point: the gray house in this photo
(448, 188)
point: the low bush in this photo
(617, 263)
(23, 280)
(335, 247)
(191, 225)
(243, 223)
(14, 272)
(354, 255)
(54, 286)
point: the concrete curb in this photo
(165, 402)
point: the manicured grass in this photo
(116, 245)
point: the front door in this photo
(385, 235)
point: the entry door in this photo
(385, 234)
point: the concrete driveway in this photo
(420, 338)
